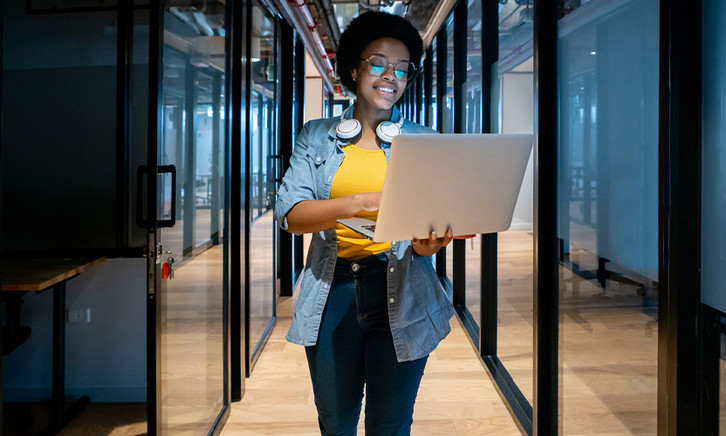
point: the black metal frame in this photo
(153, 310)
(247, 186)
(285, 125)
(2, 316)
(489, 253)
(680, 321)
(237, 214)
(459, 246)
(298, 257)
(546, 292)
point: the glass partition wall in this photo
(713, 210)
(191, 358)
(513, 112)
(608, 57)
(264, 162)
(601, 351)
(472, 119)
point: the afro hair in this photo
(366, 28)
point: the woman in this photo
(368, 313)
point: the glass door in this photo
(188, 388)
(264, 159)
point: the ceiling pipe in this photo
(297, 14)
(325, 8)
(437, 19)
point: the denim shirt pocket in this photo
(319, 154)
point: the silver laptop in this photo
(469, 182)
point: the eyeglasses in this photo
(377, 65)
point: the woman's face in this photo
(381, 92)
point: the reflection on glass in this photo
(513, 85)
(447, 119)
(263, 134)
(713, 183)
(608, 217)
(433, 110)
(713, 213)
(473, 124)
(173, 154)
(192, 348)
(209, 125)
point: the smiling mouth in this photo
(385, 89)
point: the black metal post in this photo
(287, 94)
(2, 24)
(153, 310)
(546, 292)
(488, 284)
(299, 261)
(237, 218)
(59, 341)
(460, 46)
(679, 236)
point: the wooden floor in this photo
(608, 363)
(456, 395)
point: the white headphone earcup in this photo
(387, 130)
(348, 129)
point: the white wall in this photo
(106, 358)
(517, 116)
(313, 90)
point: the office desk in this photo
(39, 274)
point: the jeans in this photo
(355, 349)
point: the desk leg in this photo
(61, 417)
(59, 350)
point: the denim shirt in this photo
(418, 309)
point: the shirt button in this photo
(392, 269)
(355, 267)
(317, 159)
(392, 300)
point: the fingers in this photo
(448, 236)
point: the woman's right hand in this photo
(310, 216)
(367, 201)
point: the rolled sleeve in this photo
(297, 184)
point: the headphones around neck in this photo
(349, 128)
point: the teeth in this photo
(385, 89)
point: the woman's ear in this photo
(354, 75)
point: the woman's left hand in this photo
(430, 246)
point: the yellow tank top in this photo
(361, 171)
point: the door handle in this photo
(276, 160)
(145, 170)
(169, 169)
